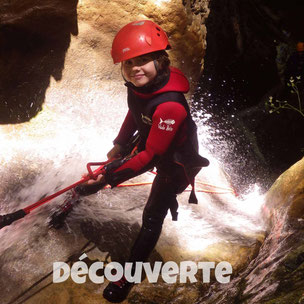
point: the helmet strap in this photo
(122, 74)
(156, 64)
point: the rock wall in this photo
(276, 274)
(248, 44)
(35, 36)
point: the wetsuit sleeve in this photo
(126, 131)
(166, 121)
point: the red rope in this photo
(221, 190)
(224, 190)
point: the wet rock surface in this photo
(36, 36)
(276, 274)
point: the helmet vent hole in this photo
(158, 34)
(158, 29)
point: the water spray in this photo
(7, 219)
(79, 189)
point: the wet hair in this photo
(161, 61)
(162, 64)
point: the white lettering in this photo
(126, 50)
(206, 266)
(169, 272)
(223, 268)
(118, 269)
(79, 268)
(188, 269)
(166, 124)
(152, 275)
(93, 273)
(57, 267)
(136, 278)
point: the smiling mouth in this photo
(138, 76)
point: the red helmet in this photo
(138, 38)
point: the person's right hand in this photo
(100, 179)
(91, 186)
(114, 152)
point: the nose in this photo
(135, 67)
(136, 63)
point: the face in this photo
(139, 70)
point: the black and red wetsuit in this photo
(168, 141)
(168, 123)
(165, 126)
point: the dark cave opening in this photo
(240, 74)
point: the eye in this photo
(145, 59)
(128, 62)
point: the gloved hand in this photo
(91, 186)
